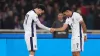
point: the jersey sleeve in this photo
(42, 26)
(67, 21)
(35, 18)
(79, 17)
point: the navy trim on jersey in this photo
(80, 37)
(32, 29)
(34, 10)
(31, 43)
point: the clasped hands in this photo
(52, 30)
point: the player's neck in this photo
(35, 10)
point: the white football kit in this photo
(77, 40)
(30, 22)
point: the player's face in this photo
(41, 11)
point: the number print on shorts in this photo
(77, 45)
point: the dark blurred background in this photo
(12, 12)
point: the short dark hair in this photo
(41, 6)
(65, 8)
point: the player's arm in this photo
(62, 28)
(84, 30)
(36, 20)
(65, 25)
(83, 26)
(42, 26)
(81, 21)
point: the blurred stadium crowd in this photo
(12, 12)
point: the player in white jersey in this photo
(30, 22)
(78, 27)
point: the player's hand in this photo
(85, 38)
(52, 30)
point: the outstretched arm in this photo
(42, 26)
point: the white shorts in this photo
(31, 43)
(77, 44)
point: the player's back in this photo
(29, 21)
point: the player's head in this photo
(67, 11)
(40, 9)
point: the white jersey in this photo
(77, 40)
(30, 22)
(31, 19)
(73, 21)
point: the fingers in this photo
(52, 30)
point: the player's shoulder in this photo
(76, 14)
(67, 19)
(32, 13)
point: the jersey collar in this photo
(34, 10)
(71, 15)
